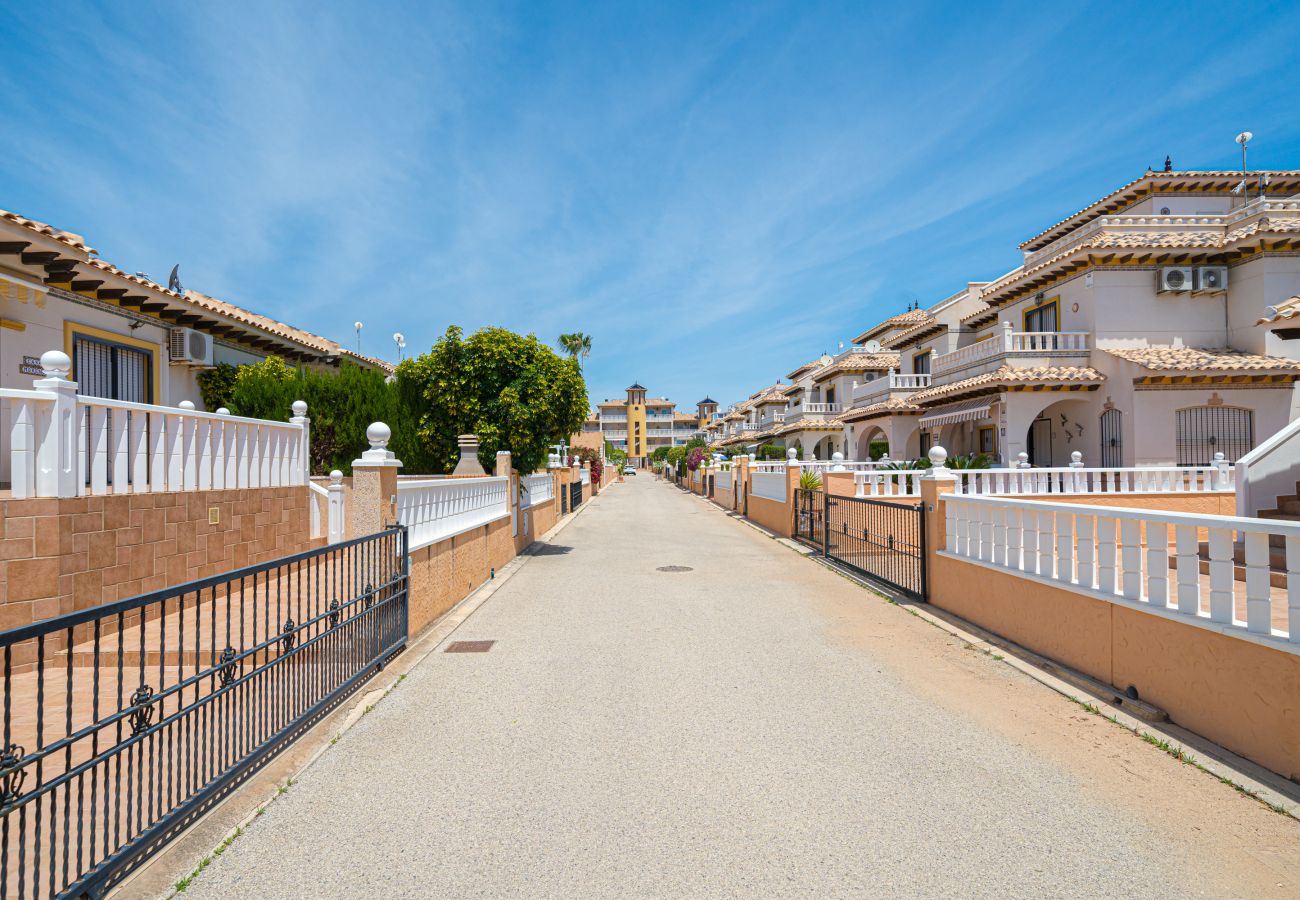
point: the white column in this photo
(56, 437)
(302, 453)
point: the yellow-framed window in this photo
(116, 361)
(987, 441)
(1046, 316)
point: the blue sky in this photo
(716, 193)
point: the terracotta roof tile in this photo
(903, 319)
(888, 407)
(1181, 359)
(1009, 375)
(902, 339)
(859, 362)
(76, 241)
(1287, 309)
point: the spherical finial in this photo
(186, 404)
(1022, 459)
(336, 477)
(837, 456)
(222, 411)
(299, 408)
(55, 364)
(1219, 457)
(938, 456)
(378, 434)
(1076, 457)
(791, 454)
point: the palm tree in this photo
(576, 345)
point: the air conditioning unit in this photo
(193, 348)
(1212, 278)
(1177, 278)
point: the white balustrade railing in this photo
(870, 391)
(538, 488)
(62, 444)
(1010, 343)
(821, 408)
(1084, 480)
(1124, 556)
(434, 509)
(887, 483)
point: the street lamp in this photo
(400, 340)
(357, 326)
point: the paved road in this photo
(758, 726)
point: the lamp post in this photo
(357, 326)
(400, 340)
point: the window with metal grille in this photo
(1112, 438)
(1206, 430)
(113, 371)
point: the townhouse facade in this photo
(1153, 327)
(638, 425)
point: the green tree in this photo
(577, 345)
(659, 454)
(216, 386)
(511, 390)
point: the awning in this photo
(969, 411)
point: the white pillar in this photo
(336, 520)
(55, 435)
(302, 465)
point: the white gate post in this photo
(303, 468)
(335, 513)
(55, 437)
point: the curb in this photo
(1142, 719)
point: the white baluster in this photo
(1221, 572)
(22, 450)
(1157, 563)
(1293, 588)
(1085, 542)
(1106, 554)
(999, 535)
(1259, 599)
(98, 450)
(219, 450)
(1064, 547)
(189, 448)
(1046, 540)
(1187, 550)
(138, 451)
(1130, 535)
(1014, 517)
(1029, 539)
(203, 453)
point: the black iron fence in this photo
(885, 541)
(124, 722)
(575, 495)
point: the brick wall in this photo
(59, 556)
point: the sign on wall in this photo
(31, 365)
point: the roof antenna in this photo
(1243, 139)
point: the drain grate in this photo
(469, 647)
(675, 569)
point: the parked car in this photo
(629, 470)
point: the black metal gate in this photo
(710, 477)
(1112, 439)
(125, 722)
(884, 541)
(575, 495)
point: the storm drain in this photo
(469, 647)
(674, 569)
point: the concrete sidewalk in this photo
(757, 726)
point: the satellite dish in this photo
(174, 280)
(873, 347)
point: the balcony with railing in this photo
(821, 409)
(1157, 225)
(1017, 348)
(880, 389)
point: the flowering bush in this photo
(694, 457)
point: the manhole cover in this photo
(469, 646)
(674, 569)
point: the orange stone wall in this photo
(62, 555)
